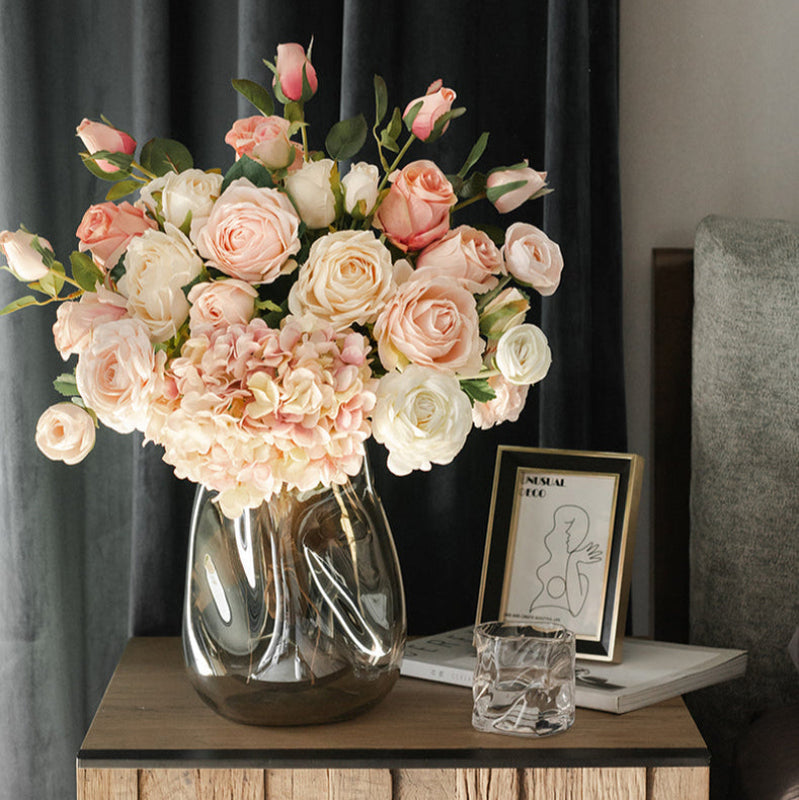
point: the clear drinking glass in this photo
(523, 679)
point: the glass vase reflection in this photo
(294, 612)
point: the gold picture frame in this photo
(560, 540)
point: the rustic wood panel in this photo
(360, 784)
(585, 784)
(487, 784)
(685, 783)
(424, 784)
(168, 784)
(296, 784)
(108, 784)
(230, 784)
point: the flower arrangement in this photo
(262, 324)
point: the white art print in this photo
(559, 549)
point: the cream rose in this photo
(251, 233)
(157, 267)
(312, 193)
(347, 279)
(23, 260)
(360, 188)
(532, 257)
(422, 417)
(431, 323)
(120, 374)
(65, 432)
(189, 192)
(523, 355)
(220, 304)
(75, 322)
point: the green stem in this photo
(411, 140)
(468, 202)
(304, 143)
(150, 175)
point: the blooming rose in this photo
(312, 193)
(360, 189)
(532, 257)
(466, 254)
(432, 323)
(119, 374)
(157, 267)
(506, 406)
(422, 417)
(65, 432)
(24, 261)
(290, 64)
(107, 229)
(99, 136)
(75, 322)
(219, 304)
(533, 182)
(435, 102)
(507, 310)
(415, 212)
(523, 355)
(347, 279)
(251, 233)
(265, 139)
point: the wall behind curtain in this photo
(92, 554)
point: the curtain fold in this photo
(93, 554)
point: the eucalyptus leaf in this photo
(162, 156)
(346, 138)
(85, 272)
(258, 95)
(20, 302)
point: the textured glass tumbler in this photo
(523, 679)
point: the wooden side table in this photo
(152, 738)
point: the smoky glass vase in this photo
(294, 613)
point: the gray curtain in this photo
(93, 554)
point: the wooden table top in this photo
(150, 716)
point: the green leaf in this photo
(165, 155)
(201, 278)
(118, 271)
(185, 227)
(255, 172)
(52, 283)
(121, 161)
(410, 117)
(346, 138)
(474, 155)
(493, 193)
(85, 272)
(267, 305)
(474, 186)
(20, 302)
(390, 134)
(122, 189)
(293, 112)
(443, 121)
(381, 99)
(66, 385)
(258, 95)
(478, 390)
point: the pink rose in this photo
(506, 406)
(435, 102)
(24, 261)
(466, 254)
(76, 320)
(99, 136)
(415, 212)
(532, 183)
(251, 233)
(220, 304)
(290, 63)
(65, 432)
(265, 139)
(107, 229)
(433, 324)
(532, 258)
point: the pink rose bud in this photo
(436, 102)
(532, 183)
(24, 261)
(99, 136)
(290, 63)
(106, 230)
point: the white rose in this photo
(422, 417)
(312, 193)
(360, 188)
(347, 279)
(65, 432)
(190, 192)
(25, 262)
(523, 356)
(157, 267)
(532, 258)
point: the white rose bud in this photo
(360, 189)
(312, 193)
(65, 432)
(24, 261)
(523, 356)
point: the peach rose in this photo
(220, 304)
(65, 432)
(466, 254)
(532, 258)
(107, 229)
(99, 136)
(75, 322)
(23, 260)
(251, 233)
(290, 63)
(506, 406)
(504, 201)
(431, 323)
(265, 139)
(415, 212)
(435, 102)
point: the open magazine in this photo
(650, 672)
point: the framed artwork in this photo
(559, 546)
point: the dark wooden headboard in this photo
(672, 321)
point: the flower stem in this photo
(400, 156)
(150, 175)
(468, 202)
